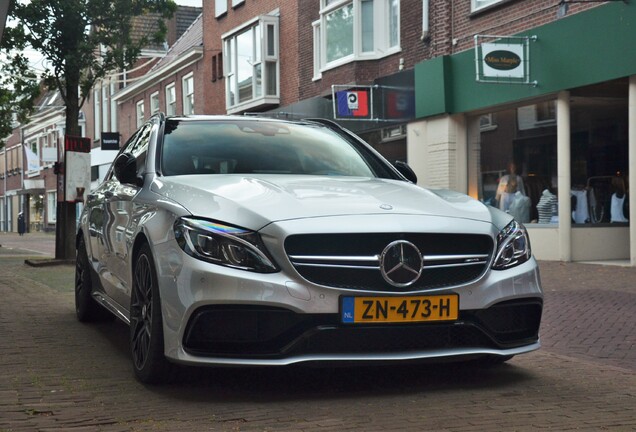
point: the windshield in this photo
(262, 147)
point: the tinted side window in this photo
(138, 146)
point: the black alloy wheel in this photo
(146, 324)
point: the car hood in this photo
(255, 201)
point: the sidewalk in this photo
(39, 243)
(60, 375)
(588, 310)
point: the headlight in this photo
(223, 244)
(513, 246)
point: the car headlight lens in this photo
(513, 246)
(223, 244)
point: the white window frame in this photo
(220, 7)
(113, 107)
(381, 33)
(97, 117)
(139, 113)
(265, 56)
(317, 50)
(236, 3)
(487, 123)
(154, 103)
(171, 99)
(187, 93)
(105, 104)
(477, 5)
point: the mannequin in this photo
(509, 184)
(580, 213)
(547, 206)
(618, 201)
(520, 208)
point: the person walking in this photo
(21, 224)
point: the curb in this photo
(48, 262)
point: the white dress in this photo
(580, 214)
(616, 209)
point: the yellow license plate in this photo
(400, 309)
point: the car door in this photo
(97, 220)
(119, 199)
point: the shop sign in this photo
(77, 169)
(503, 60)
(110, 140)
(399, 104)
(386, 102)
(352, 103)
(500, 59)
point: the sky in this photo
(196, 3)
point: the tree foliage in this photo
(82, 40)
(19, 87)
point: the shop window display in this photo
(518, 158)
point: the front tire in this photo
(146, 323)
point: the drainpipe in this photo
(564, 176)
(425, 20)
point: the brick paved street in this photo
(59, 375)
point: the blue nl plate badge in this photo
(348, 306)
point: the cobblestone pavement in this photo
(59, 375)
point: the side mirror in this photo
(125, 169)
(404, 169)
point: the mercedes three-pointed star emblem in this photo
(401, 263)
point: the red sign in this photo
(77, 144)
(352, 103)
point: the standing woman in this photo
(21, 224)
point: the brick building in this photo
(561, 119)
(28, 184)
(463, 90)
(123, 100)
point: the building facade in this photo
(564, 130)
(28, 184)
(545, 132)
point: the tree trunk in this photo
(65, 228)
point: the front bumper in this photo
(221, 316)
(235, 331)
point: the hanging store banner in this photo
(399, 104)
(33, 160)
(352, 103)
(503, 59)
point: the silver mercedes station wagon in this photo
(260, 242)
